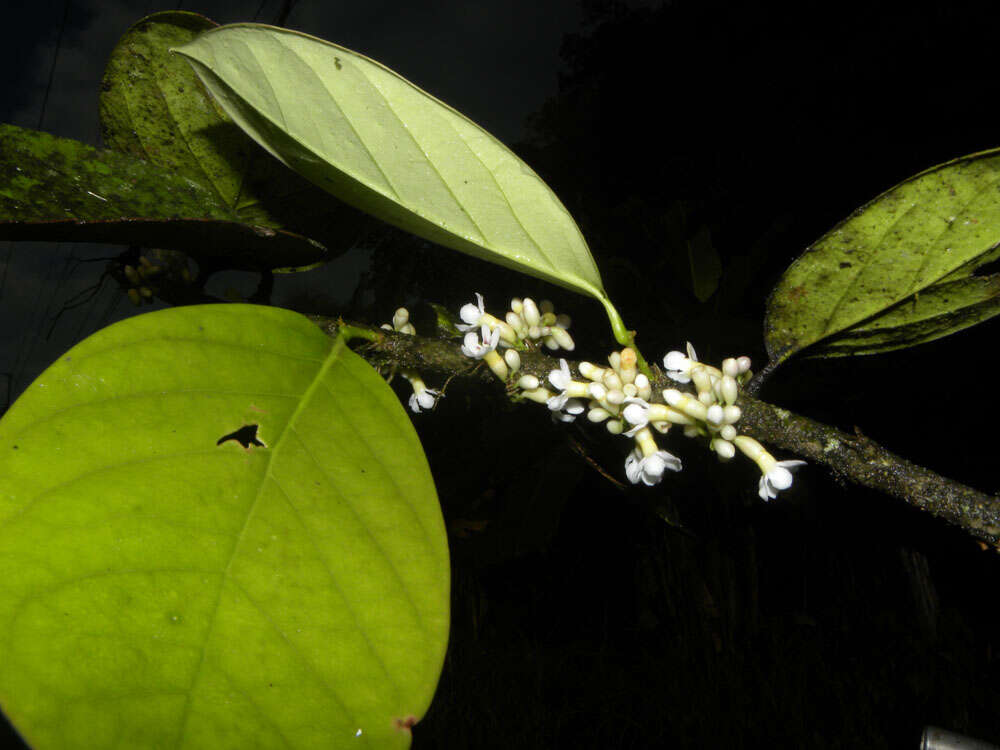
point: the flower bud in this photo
(728, 432)
(615, 359)
(714, 414)
(730, 367)
(551, 343)
(614, 426)
(538, 395)
(530, 312)
(683, 402)
(723, 448)
(516, 322)
(545, 306)
(744, 364)
(528, 382)
(496, 364)
(615, 397)
(513, 359)
(562, 337)
(702, 381)
(644, 391)
(591, 371)
(728, 388)
(598, 414)
(400, 318)
(731, 414)
(598, 391)
(516, 306)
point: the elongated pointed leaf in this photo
(62, 190)
(217, 529)
(901, 271)
(379, 143)
(154, 107)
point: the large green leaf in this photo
(906, 268)
(154, 107)
(159, 588)
(372, 138)
(62, 190)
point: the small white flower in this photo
(562, 377)
(557, 402)
(568, 409)
(649, 469)
(679, 366)
(472, 347)
(422, 397)
(776, 479)
(636, 414)
(776, 474)
(423, 400)
(472, 314)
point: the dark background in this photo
(693, 614)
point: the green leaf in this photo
(160, 588)
(904, 269)
(62, 190)
(373, 139)
(154, 107)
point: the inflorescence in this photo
(619, 396)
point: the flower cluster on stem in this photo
(617, 395)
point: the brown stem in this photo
(852, 457)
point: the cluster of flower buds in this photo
(142, 279)
(714, 414)
(422, 398)
(620, 396)
(526, 325)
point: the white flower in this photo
(679, 366)
(561, 378)
(565, 409)
(777, 478)
(425, 399)
(776, 474)
(472, 347)
(649, 469)
(472, 314)
(422, 396)
(636, 414)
